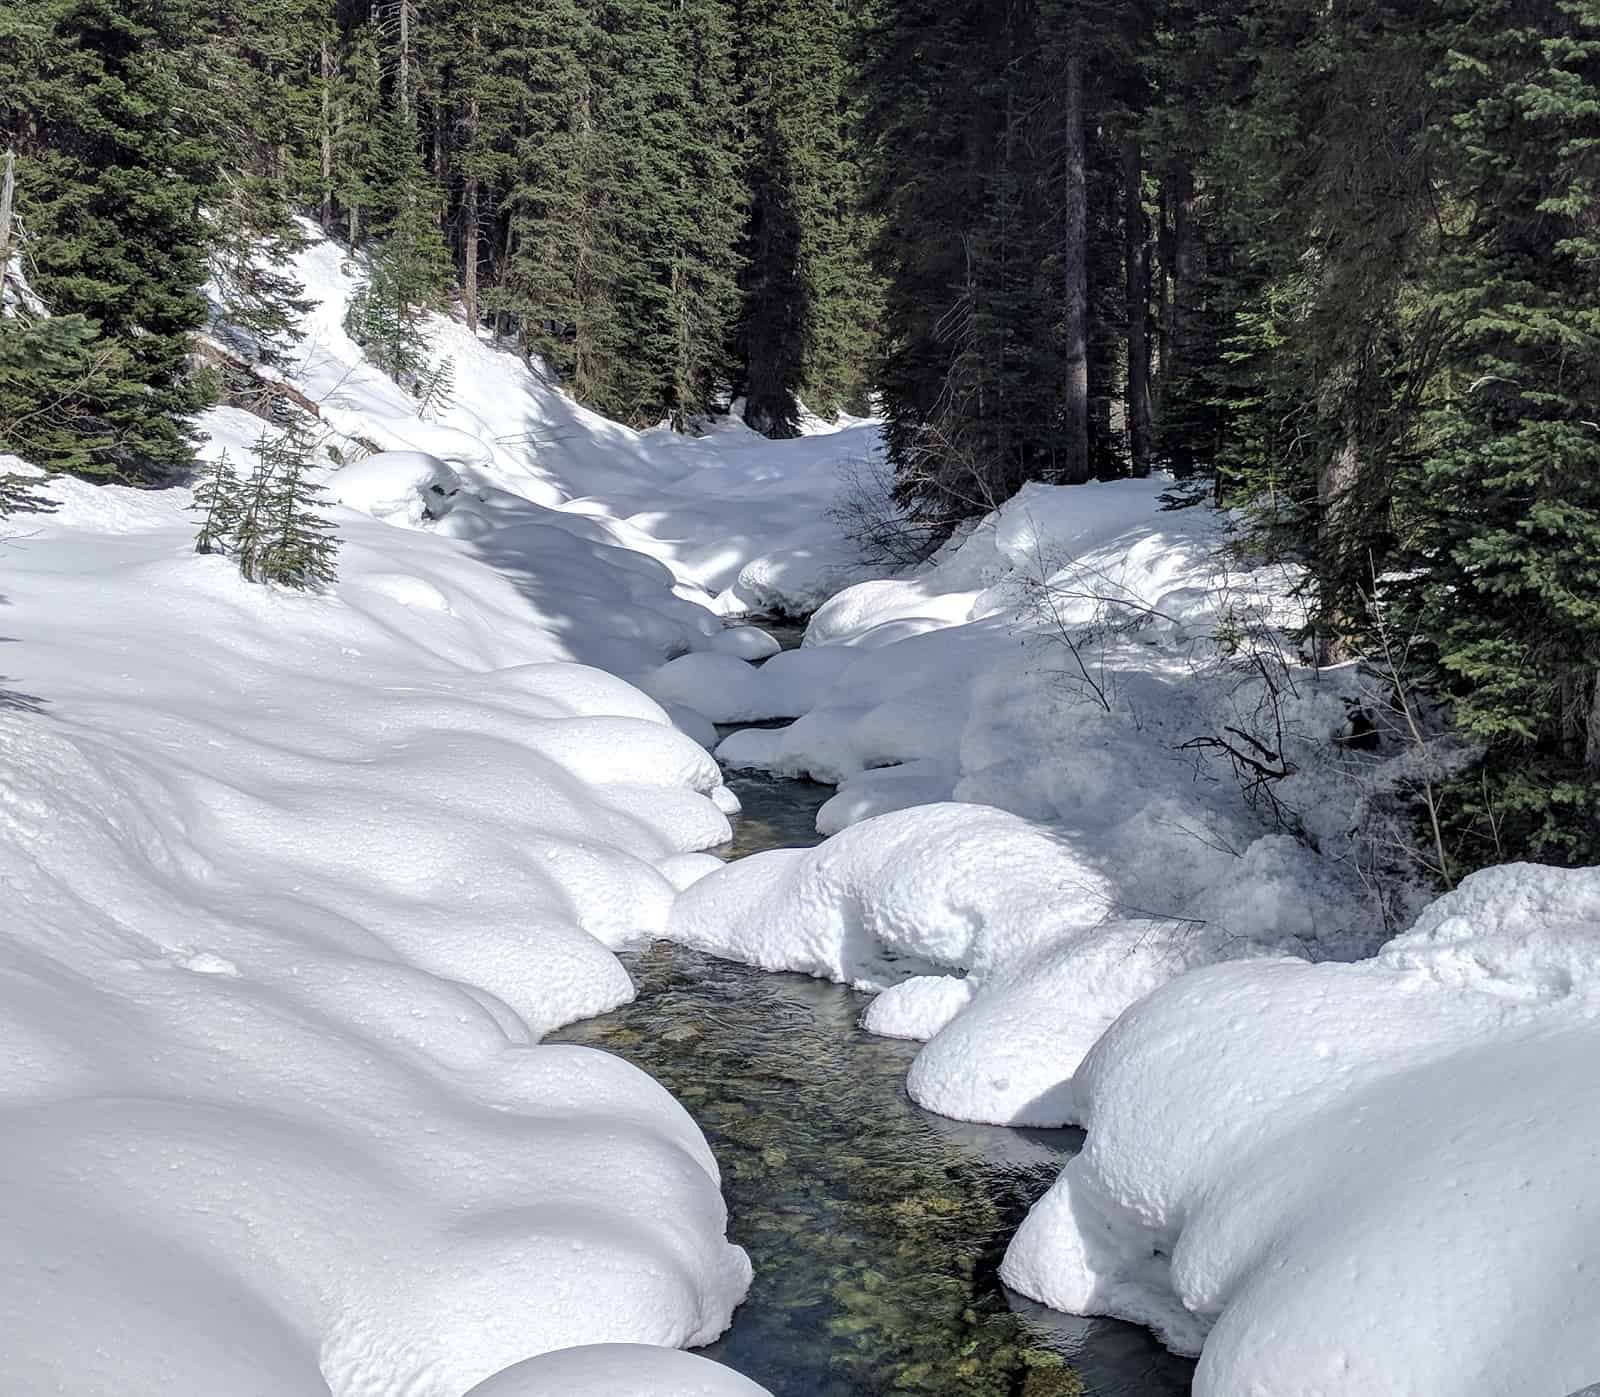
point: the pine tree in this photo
(278, 534)
(253, 242)
(301, 545)
(113, 165)
(967, 151)
(808, 320)
(550, 278)
(217, 497)
(409, 270)
(64, 392)
(1503, 511)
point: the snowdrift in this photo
(737, 522)
(293, 886)
(1374, 1178)
(1007, 730)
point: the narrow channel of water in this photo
(876, 1229)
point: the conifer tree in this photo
(808, 320)
(301, 545)
(113, 164)
(1502, 513)
(278, 534)
(64, 391)
(253, 241)
(409, 270)
(552, 277)
(217, 498)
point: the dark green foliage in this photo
(408, 274)
(269, 523)
(299, 546)
(807, 327)
(113, 165)
(1501, 517)
(217, 498)
(65, 395)
(966, 156)
(252, 243)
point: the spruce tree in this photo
(278, 534)
(409, 270)
(114, 162)
(552, 280)
(1503, 512)
(218, 499)
(301, 545)
(253, 242)
(807, 327)
(65, 392)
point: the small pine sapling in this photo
(436, 389)
(252, 522)
(218, 499)
(299, 544)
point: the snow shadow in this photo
(15, 701)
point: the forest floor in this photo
(296, 883)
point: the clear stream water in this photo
(876, 1229)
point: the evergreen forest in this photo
(1334, 264)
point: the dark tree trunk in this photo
(1075, 262)
(327, 138)
(8, 185)
(469, 217)
(1136, 236)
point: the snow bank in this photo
(399, 487)
(294, 883)
(618, 1370)
(987, 934)
(1296, 1166)
(1057, 662)
(942, 886)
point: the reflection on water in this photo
(876, 1229)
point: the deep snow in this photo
(1375, 1178)
(1050, 664)
(294, 884)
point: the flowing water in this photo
(876, 1229)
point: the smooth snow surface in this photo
(618, 1370)
(294, 884)
(1374, 1178)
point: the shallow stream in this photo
(876, 1229)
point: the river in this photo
(876, 1228)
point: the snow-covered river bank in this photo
(875, 1228)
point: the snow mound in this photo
(725, 689)
(1072, 659)
(1290, 1167)
(941, 886)
(294, 885)
(399, 487)
(917, 1008)
(745, 642)
(618, 1370)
